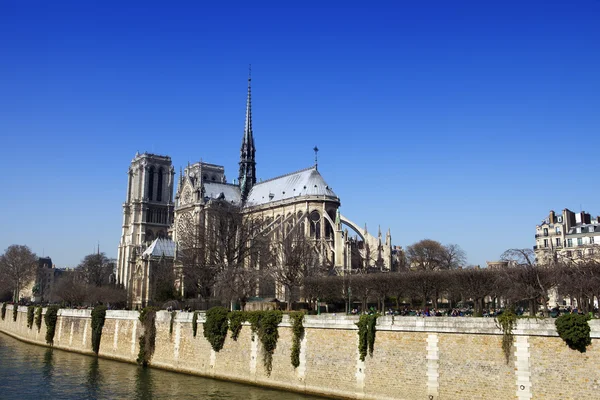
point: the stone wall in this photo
(414, 358)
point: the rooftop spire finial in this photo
(316, 150)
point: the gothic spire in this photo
(247, 176)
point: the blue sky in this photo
(463, 122)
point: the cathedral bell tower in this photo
(147, 211)
(247, 176)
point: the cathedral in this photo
(155, 216)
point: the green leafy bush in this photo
(195, 323)
(507, 321)
(148, 338)
(30, 315)
(574, 330)
(236, 319)
(173, 314)
(98, 317)
(38, 318)
(3, 311)
(298, 332)
(366, 335)
(265, 325)
(50, 319)
(215, 327)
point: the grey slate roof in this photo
(230, 192)
(300, 183)
(585, 229)
(161, 247)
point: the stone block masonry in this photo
(414, 358)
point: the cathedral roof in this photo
(300, 183)
(160, 248)
(230, 193)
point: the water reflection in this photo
(48, 366)
(37, 373)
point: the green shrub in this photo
(15, 312)
(236, 319)
(38, 318)
(366, 335)
(50, 319)
(195, 323)
(148, 338)
(215, 327)
(173, 313)
(3, 311)
(265, 325)
(30, 314)
(98, 317)
(298, 332)
(574, 330)
(507, 321)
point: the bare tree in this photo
(18, 265)
(70, 289)
(296, 259)
(95, 269)
(426, 255)
(453, 257)
(476, 284)
(217, 249)
(529, 281)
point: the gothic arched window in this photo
(150, 182)
(160, 185)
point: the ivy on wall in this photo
(173, 314)
(298, 335)
(574, 330)
(3, 311)
(15, 312)
(98, 317)
(264, 324)
(236, 319)
(195, 323)
(147, 340)
(366, 335)
(38, 318)
(507, 321)
(215, 327)
(30, 315)
(50, 319)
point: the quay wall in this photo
(414, 358)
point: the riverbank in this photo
(413, 358)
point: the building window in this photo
(569, 253)
(591, 229)
(591, 240)
(569, 242)
(591, 251)
(545, 231)
(558, 230)
(579, 241)
(579, 253)
(159, 185)
(150, 183)
(545, 242)
(558, 242)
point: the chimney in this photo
(551, 218)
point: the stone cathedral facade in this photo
(154, 215)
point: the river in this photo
(33, 372)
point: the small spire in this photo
(316, 150)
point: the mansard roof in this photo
(215, 190)
(161, 247)
(300, 183)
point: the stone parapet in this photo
(414, 357)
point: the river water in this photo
(33, 372)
